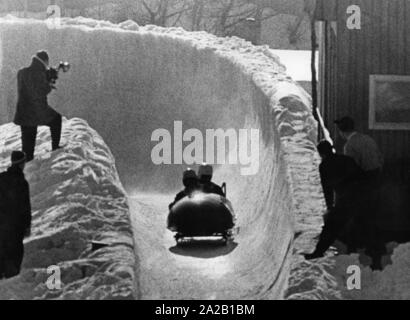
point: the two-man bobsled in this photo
(201, 215)
(201, 209)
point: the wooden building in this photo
(350, 58)
(365, 73)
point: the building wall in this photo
(382, 46)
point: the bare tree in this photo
(161, 12)
(231, 16)
(197, 14)
(221, 17)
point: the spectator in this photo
(340, 176)
(364, 150)
(32, 105)
(15, 216)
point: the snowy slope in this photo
(128, 81)
(392, 283)
(298, 63)
(76, 198)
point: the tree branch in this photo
(147, 8)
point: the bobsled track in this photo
(128, 81)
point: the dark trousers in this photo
(367, 220)
(29, 134)
(359, 211)
(335, 223)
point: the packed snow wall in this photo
(76, 198)
(128, 81)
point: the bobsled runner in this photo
(202, 215)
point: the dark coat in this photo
(32, 90)
(210, 187)
(340, 177)
(182, 194)
(15, 219)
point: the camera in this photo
(53, 72)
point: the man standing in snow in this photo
(340, 178)
(15, 215)
(364, 150)
(32, 105)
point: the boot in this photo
(314, 255)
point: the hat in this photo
(205, 170)
(345, 124)
(325, 147)
(43, 55)
(189, 174)
(18, 157)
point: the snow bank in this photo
(76, 198)
(128, 81)
(392, 283)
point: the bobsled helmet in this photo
(205, 172)
(189, 177)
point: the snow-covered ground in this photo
(76, 198)
(298, 63)
(128, 81)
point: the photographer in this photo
(32, 107)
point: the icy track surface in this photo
(76, 198)
(128, 81)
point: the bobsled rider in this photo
(205, 173)
(190, 181)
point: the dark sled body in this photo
(201, 215)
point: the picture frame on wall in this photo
(389, 107)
